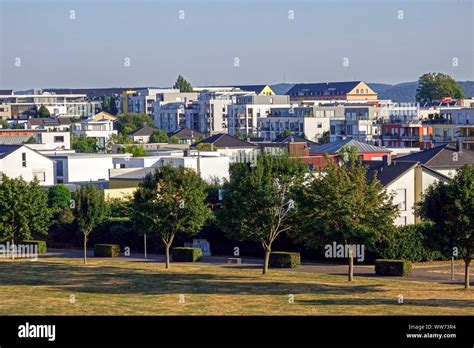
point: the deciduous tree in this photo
(257, 202)
(450, 206)
(170, 201)
(436, 86)
(89, 210)
(23, 209)
(342, 205)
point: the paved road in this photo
(430, 273)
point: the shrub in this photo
(283, 259)
(106, 250)
(186, 254)
(409, 243)
(393, 267)
(40, 243)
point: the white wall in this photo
(404, 186)
(36, 165)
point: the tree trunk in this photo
(266, 260)
(167, 246)
(466, 273)
(85, 249)
(351, 265)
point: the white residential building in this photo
(24, 106)
(208, 114)
(299, 120)
(76, 168)
(209, 165)
(101, 130)
(144, 100)
(21, 161)
(244, 113)
(406, 181)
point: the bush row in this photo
(283, 259)
(185, 254)
(393, 267)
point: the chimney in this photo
(387, 160)
(145, 124)
(458, 146)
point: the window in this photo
(400, 199)
(319, 125)
(23, 159)
(41, 176)
(59, 139)
(59, 168)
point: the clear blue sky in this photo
(89, 51)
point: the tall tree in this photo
(183, 85)
(450, 206)
(83, 144)
(436, 86)
(59, 200)
(286, 132)
(130, 122)
(340, 205)
(137, 150)
(159, 136)
(325, 138)
(257, 202)
(170, 201)
(43, 112)
(109, 105)
(89, 210)
(23, 209)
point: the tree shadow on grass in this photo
(117, 280)
(389, 302)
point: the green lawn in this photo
(127, 287)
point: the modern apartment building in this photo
(244, 114)
(101, 130)
(360, 122)
(24, 106)
(301, 121)
(353, 91)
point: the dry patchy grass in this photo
(126, 287)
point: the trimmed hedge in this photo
(184, 254)
(283, 259)
(409, 243)
(398, 268)
(106, 250)
(40, 243)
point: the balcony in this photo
(410, 137)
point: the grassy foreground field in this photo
(127, 287)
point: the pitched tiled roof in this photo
(104, 116)
(252, 88)
(294, 138)
(144, 131)
(339, 88)
(225, 141)
(443, 156)
(336, 146)
(5, 150)
(14, 140)
(50, 122)
(185, 134)
(388, 173)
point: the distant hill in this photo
(401, 93)
(406, 92)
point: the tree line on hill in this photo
(259, 203)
